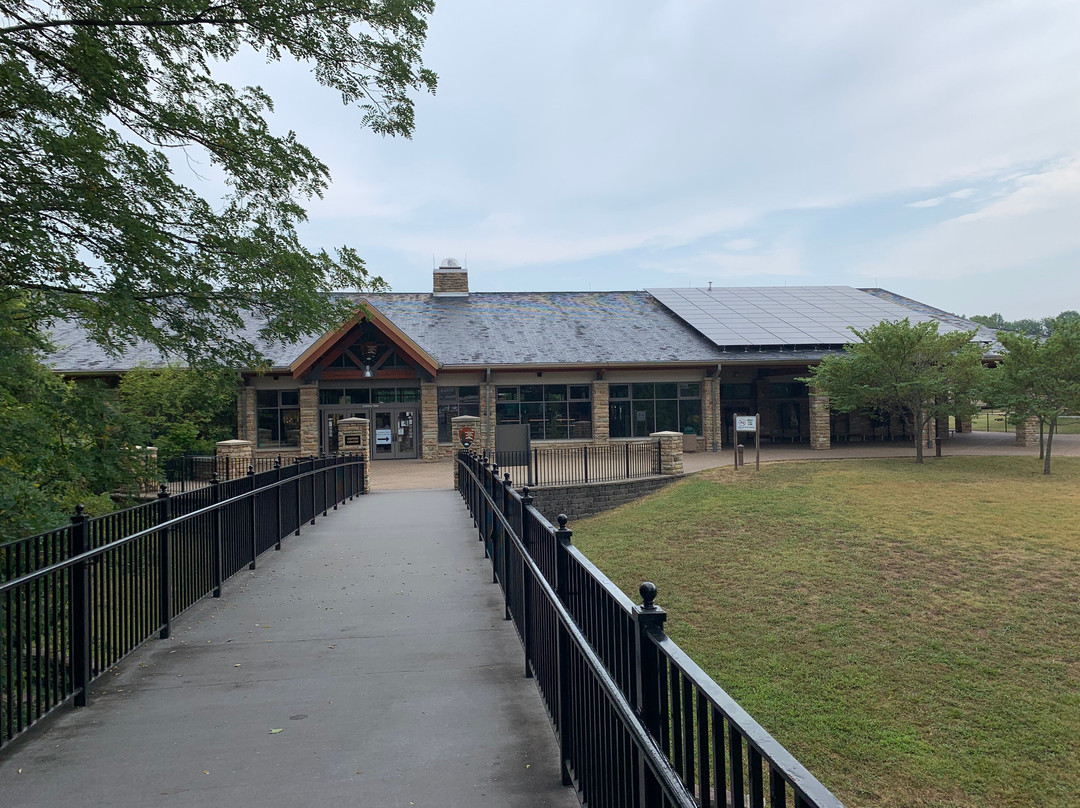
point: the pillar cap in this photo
(237, 443)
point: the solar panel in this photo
(794, 315)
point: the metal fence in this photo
(76, 600)
(638, 722)
(188, 472)
(569, 465)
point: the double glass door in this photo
(393, 432)
(393, 429)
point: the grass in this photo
(911, 634)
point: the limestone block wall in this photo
(670, 452)
(309, 419)
(601, 412)
(239, 454)
(589, 499)
(1027, 432)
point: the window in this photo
(347, 395)
(744, 392)
(366, 395)
(788, 390)
(637, 410)
(552, 411)
(278, 418)
(454, 401)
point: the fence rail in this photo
(189, 472)
(638, 722)
(570, 465)
(76, 600)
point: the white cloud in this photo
(927, 203)
(1038, 221)
(740, 244)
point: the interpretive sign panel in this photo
(745, 423)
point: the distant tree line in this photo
(1028, 327)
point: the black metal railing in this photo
(569, 465)
(189, 472)
(638, 722)
(76, 600)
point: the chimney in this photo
(450, 280)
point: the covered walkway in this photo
(367, 664)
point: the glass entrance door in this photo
(393, 433)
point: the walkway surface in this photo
(366, 664)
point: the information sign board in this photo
(745, 423)
(384, 437)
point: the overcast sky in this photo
(931, 148)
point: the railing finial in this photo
(648, 595)
(79, 509)
(562, 520)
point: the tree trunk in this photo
(1049, 443)
(1042, 448)
(920, 427)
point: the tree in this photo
(909, 370)
(61, 443)
(97, 97)
(1032, 328)
(182, 410)
(1040, 377)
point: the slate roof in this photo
(748, 325)
(797, 315)
(534, 328)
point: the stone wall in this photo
(455, 281)
(588, 499)
(1027, 432)
(246, 418)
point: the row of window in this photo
(552, 411)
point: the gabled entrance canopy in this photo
(367, 341)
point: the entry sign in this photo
(384, 437)
(352, 440)
(466, 435)
(746, 423)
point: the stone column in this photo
(459, 422)
(239, 456)
(246, 423)
(601, 412)
(429, 421)
(1027, 432)
(309, 419)
(942, 428)
(670, 452)
(929, 433)
(820, 426)
(963, 426)
(486, 431)
(354, 437)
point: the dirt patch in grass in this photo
(911, 634)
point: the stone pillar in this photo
(963, 426)
(239, 456)
(1027, 432)
(929, 433)
(601, 412)
(246, 424)
(942, 428)
(309, 419)
(670, 452)
(354, 437)
(486, 430)
(820, 426)
(429, 421)
(459, 422)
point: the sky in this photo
(930, 148)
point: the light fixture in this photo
(368, 372)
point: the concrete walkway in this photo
(366, 664)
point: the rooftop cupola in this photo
(450, 280)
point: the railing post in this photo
(649, 621)
(314, 497)
(628, 460)
(562, 589)
(506, 486)
(277, 504)
(165, 569)
(585, 452)
(254, 519)
(80, 611)
(296, 482)
(526, 606)
(218, 560)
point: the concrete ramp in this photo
(366, 664)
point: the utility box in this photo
(689, 440)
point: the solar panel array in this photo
(790, 315)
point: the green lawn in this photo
(994, 421)
(911, 634)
